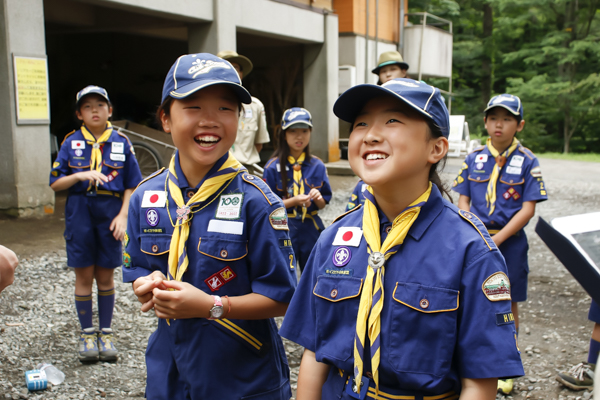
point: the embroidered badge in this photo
(152, 217)
(54, 173)
(153, 230)
(536, 172)
(154, 198)
(479, 165)
(112, 176)
(340, 272)
(126, 260)
(215, 281)
(285, 243)
(505, 318)
(509, 193)
(516, 161)
(230, 206)
(126, 239)
(78, 144)
(117, 147)
(56, 164)
(496, 287)
(341, 256)
(78, 152)
(117, 157)
(200, 67)
(481, 158)
(513, 170)
(348, 236)
(278, 219)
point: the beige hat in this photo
(389, 58)
(234, 57)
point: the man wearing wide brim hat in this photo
(390, 66)
(252, 129)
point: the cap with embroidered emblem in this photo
(91, 89)
(507, 101)
(297, 117)
(193, 72)
(421, 97)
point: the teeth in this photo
(376, 156)
(207, 139)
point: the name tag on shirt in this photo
(117, 157)
(78, 144)
(279, 168)
(247, 112)
(516, 161)
(231, 227)
(348, 236)
(117, 147)
(154, 198)
(481, 158)
(513, 170)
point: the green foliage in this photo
(546, 52)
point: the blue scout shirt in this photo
(446, 313)
(238, 244)
(118, 162)
(315, 176)
(520, 180)
(357, 196)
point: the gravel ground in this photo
(38, 322)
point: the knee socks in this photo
(83, 304)
(106, 305)
(594, 349)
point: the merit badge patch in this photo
(215, 281)
(516, 161)
(78, 144)
(509, 193)
(341, 256)
(56, 164)
(152, 217)
(230, 206)
(154, 198)
(117, 147)
(126, 260)
(78, 152)
(513, 170)
(481, 158)
(536, 172)
(117, 157)
(278, 219)
(112, 176)
(348, 236)
(479, 165)
(126, 239)
(496, 287)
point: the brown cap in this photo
(234, 57)
(389, 58)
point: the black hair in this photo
(282, 152)
(517, 117)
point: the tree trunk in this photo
(486, 62)
(567, 132)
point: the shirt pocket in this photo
(512, 180)
(223, 249)
(313, 183)
(423, 328)
(155, 245)
(336, 304)
(479, 177)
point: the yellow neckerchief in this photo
(298, 182)
(96, 158)
(371, 298)
(490, 194)
(178, 260)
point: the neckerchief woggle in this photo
(298, 182)
(490, 193)
(371, 298)
(96, 158)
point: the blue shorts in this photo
(594, 314)
(514, 249)
(88, 235)
(304, 235)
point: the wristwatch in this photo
(217, 311)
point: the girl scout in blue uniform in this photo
(438, 326)
(208, 248)
(302, 183)
(97, 165)
(501, 183)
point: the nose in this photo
(207, 119)
(372, 136)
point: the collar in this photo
(183, 183)
(428, 214)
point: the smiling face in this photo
(297, 140)
(94, 111)
(390, 145)
(502, 127)
(203, 127)
(390, 72)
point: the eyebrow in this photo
(389, 110)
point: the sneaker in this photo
(88, 349)
(505, 386)
(106, 345)
(579, 377)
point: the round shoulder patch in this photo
(497, 287)
(278, 219)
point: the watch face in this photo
(216, 312)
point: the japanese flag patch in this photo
(78, 144)
(481, 158)
(154, 198)
(348, 236)
(496, 287)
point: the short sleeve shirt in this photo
(252, 130)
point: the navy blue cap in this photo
(508, 101)
(193, 72)
(91, 89)
(420, 96)
(296, 116)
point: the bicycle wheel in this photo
(147, 158)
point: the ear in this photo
(79, 116)
(109, 111)
(166, 122)
(521, 125)
(439, 148)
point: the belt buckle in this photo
(91, 193)
(351, 387)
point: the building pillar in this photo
(218, 35)
(321, 91)
(25, 149)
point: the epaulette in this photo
(160, 171)
(261, 186)
(479, 226)
(528, 153)
(126, 138)
(271, 161)
(67, 135)
(478, 149)
(346, 213)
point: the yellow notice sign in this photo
(31, 87)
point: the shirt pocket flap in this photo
(114, 164)
(223, 249)
(337, 289)
(155, 245)
(314, 183)
(79, 164)
(512, 180)
(479, 177)
(426, 299)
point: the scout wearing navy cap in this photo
(214, 235)
(509, 102)
(91, 90)
(296, 117)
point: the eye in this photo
(392, 120)
(360, 124)
(225, 108)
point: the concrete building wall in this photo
(352, 52)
